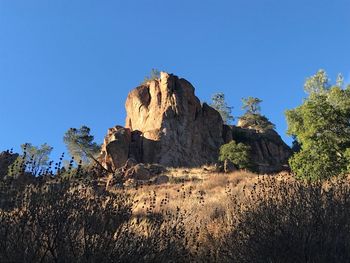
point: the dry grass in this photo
(201, 192)
(199, 216)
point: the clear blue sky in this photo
(67, 63)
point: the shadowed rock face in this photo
(269, 153)
(166, 124)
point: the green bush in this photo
(237, 153)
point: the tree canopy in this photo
(33, 159)
(80, 144)
(321, 126)
(219, 104)
(317, 83)
(251, 105)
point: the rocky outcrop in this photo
(176, 129)
(115, 149)
(269, 153)
(167, 124)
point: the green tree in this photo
(317, 83)
(322, 129)
(81, 145)
(237, 153)
(251, 105)
(219, 104)
(33, 159)
(252, 118)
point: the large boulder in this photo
(176, 129)
(116, 148)
(138, 172)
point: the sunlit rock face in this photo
(115, 148)
(176, 129)
(167, 124)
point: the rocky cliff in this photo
(167, 124)
(176, 129)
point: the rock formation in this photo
(176, 129)
(115, 148)
(268, 151)
(167, 124)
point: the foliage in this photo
(251, 105)
(17, 167)
(219, 104)
(33, 159)
(296, 147)
(252, 118)
(237, 153)
(154, 75)
(318, 83)
(81, 145)
(322, 129)
(256, 121)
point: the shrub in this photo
(283, 220)
(237, 153)
(74, 221)
(63, 222)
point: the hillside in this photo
(168, 187)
